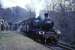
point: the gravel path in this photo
(16, 41)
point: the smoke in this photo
(36, 5)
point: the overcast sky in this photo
(34, 4)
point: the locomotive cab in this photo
(36, 23)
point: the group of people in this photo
(3, 25)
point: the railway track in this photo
(59, 44)
(65, 45)
(62, 45)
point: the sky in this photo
(37, 5)
(13, 3)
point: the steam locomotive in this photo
(41, 30)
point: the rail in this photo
(65, 45)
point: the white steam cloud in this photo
(37, 5)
